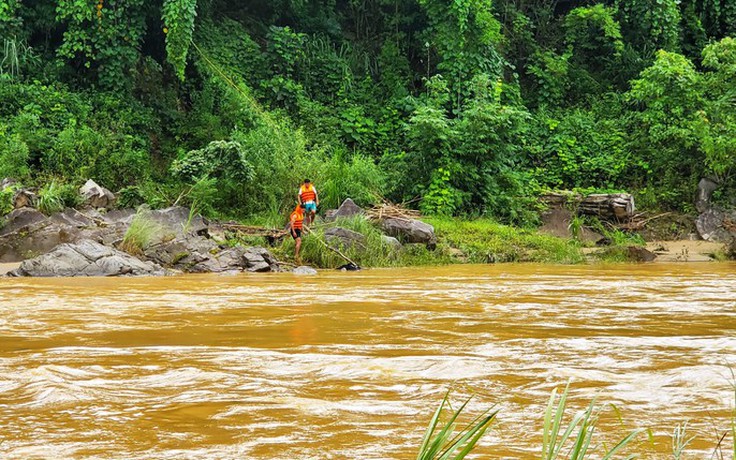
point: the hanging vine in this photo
(178, 17)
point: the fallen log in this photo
(618, 206)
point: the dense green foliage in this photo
(462, 107)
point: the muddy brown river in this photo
(352, 365)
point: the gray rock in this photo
(706, 187)
(409, 230)
(304, 270)
(7, 182)
(178, 221)
(710, 225)
(72, 218)
(257, 259)
(28, 233)
(86, 258)
(96, 196)
(124, 216)
(348, 208)
(344, 237)
(21, 219)
(391, 242)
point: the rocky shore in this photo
(91, 241)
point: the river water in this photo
(352, 365)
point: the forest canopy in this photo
(467, 107)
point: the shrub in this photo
(223, 165)
(55, 196)
(6, 200)
(13, 157)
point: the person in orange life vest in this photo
(309, 198)
(296, 224)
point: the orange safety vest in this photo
(298, 218)
(308, 193)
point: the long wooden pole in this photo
(337, 251)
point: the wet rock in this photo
(409, 230)
(640, 254)
(257, 259)
(348, 267)
(86, 258)
(96, 196)
(304, 270)
(391, 242)
(344, 237)
(716, 225)
(348, 208)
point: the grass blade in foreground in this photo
(443, 445)
(585, 424)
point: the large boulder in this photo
(96, 196)
(348, 208)
(185, 253)
(257, 259)
(86, 258)
(706, 187)
(178, 221)
(344, 237)
(716, 225)
(409, 230)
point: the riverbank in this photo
(171, 240)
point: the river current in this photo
(351, 365)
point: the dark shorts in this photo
(297, 232)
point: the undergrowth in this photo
(477, 241)
(485, 241)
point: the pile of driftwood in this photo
(388, 210)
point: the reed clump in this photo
(140, 233)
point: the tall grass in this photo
(373, 251)
(574, 442)
(140, 233)
(486, 241)
(55, 196)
